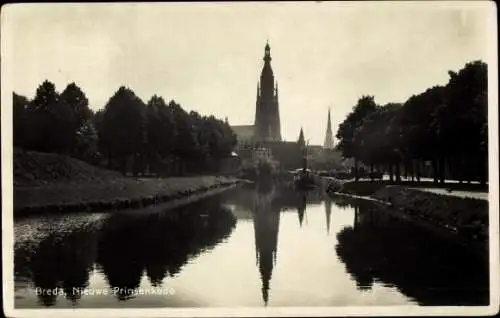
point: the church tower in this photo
(301, 141)
(267, 118)
(329, 136)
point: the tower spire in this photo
(301, 140)
(329, 136)
(267, 119)
(267, 52)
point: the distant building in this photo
(325, 157)
(265, 135)
(301, 141)
(267, 114)
(244, 135)
(314, 149)
(329, 135)
(262, 153)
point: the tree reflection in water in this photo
(62, 260)
(431, 270)
(160, 244)
(126, 245)
(378, 249)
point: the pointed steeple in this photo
(267, 120)
(329, 121)
(329, 135)
(267, 76)
(301, 141)
(267, 52)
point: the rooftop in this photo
(243, 131)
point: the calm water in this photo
(247, 247)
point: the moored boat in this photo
(305, 179)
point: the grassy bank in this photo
(112, 195)
(46, 182)
(467, 217)
(366, 187)
(33, 168)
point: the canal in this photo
(264, 246)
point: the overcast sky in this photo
(208, 56)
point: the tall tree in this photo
(186, 143)
(78, 103)
(229, 139)
(372, 137)
(22, 132)
(161, 132)
(39, 109)
(464, 116)
(444, 125)
(52, 119)
(202, 129)
(122, 134)
(365, 106)
(86, 143)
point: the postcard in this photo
(215, 159)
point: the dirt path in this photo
(456, 193)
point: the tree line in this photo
(443, 130)
(126, 135)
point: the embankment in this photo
(114, 195)
(466, 217)
(47, 183)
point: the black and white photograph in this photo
(250, 159)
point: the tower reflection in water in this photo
(328, 212)
(266, 220)
(269, 200)
(301, 206)
(126, 250)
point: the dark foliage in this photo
(127, 135)
(443, 128)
